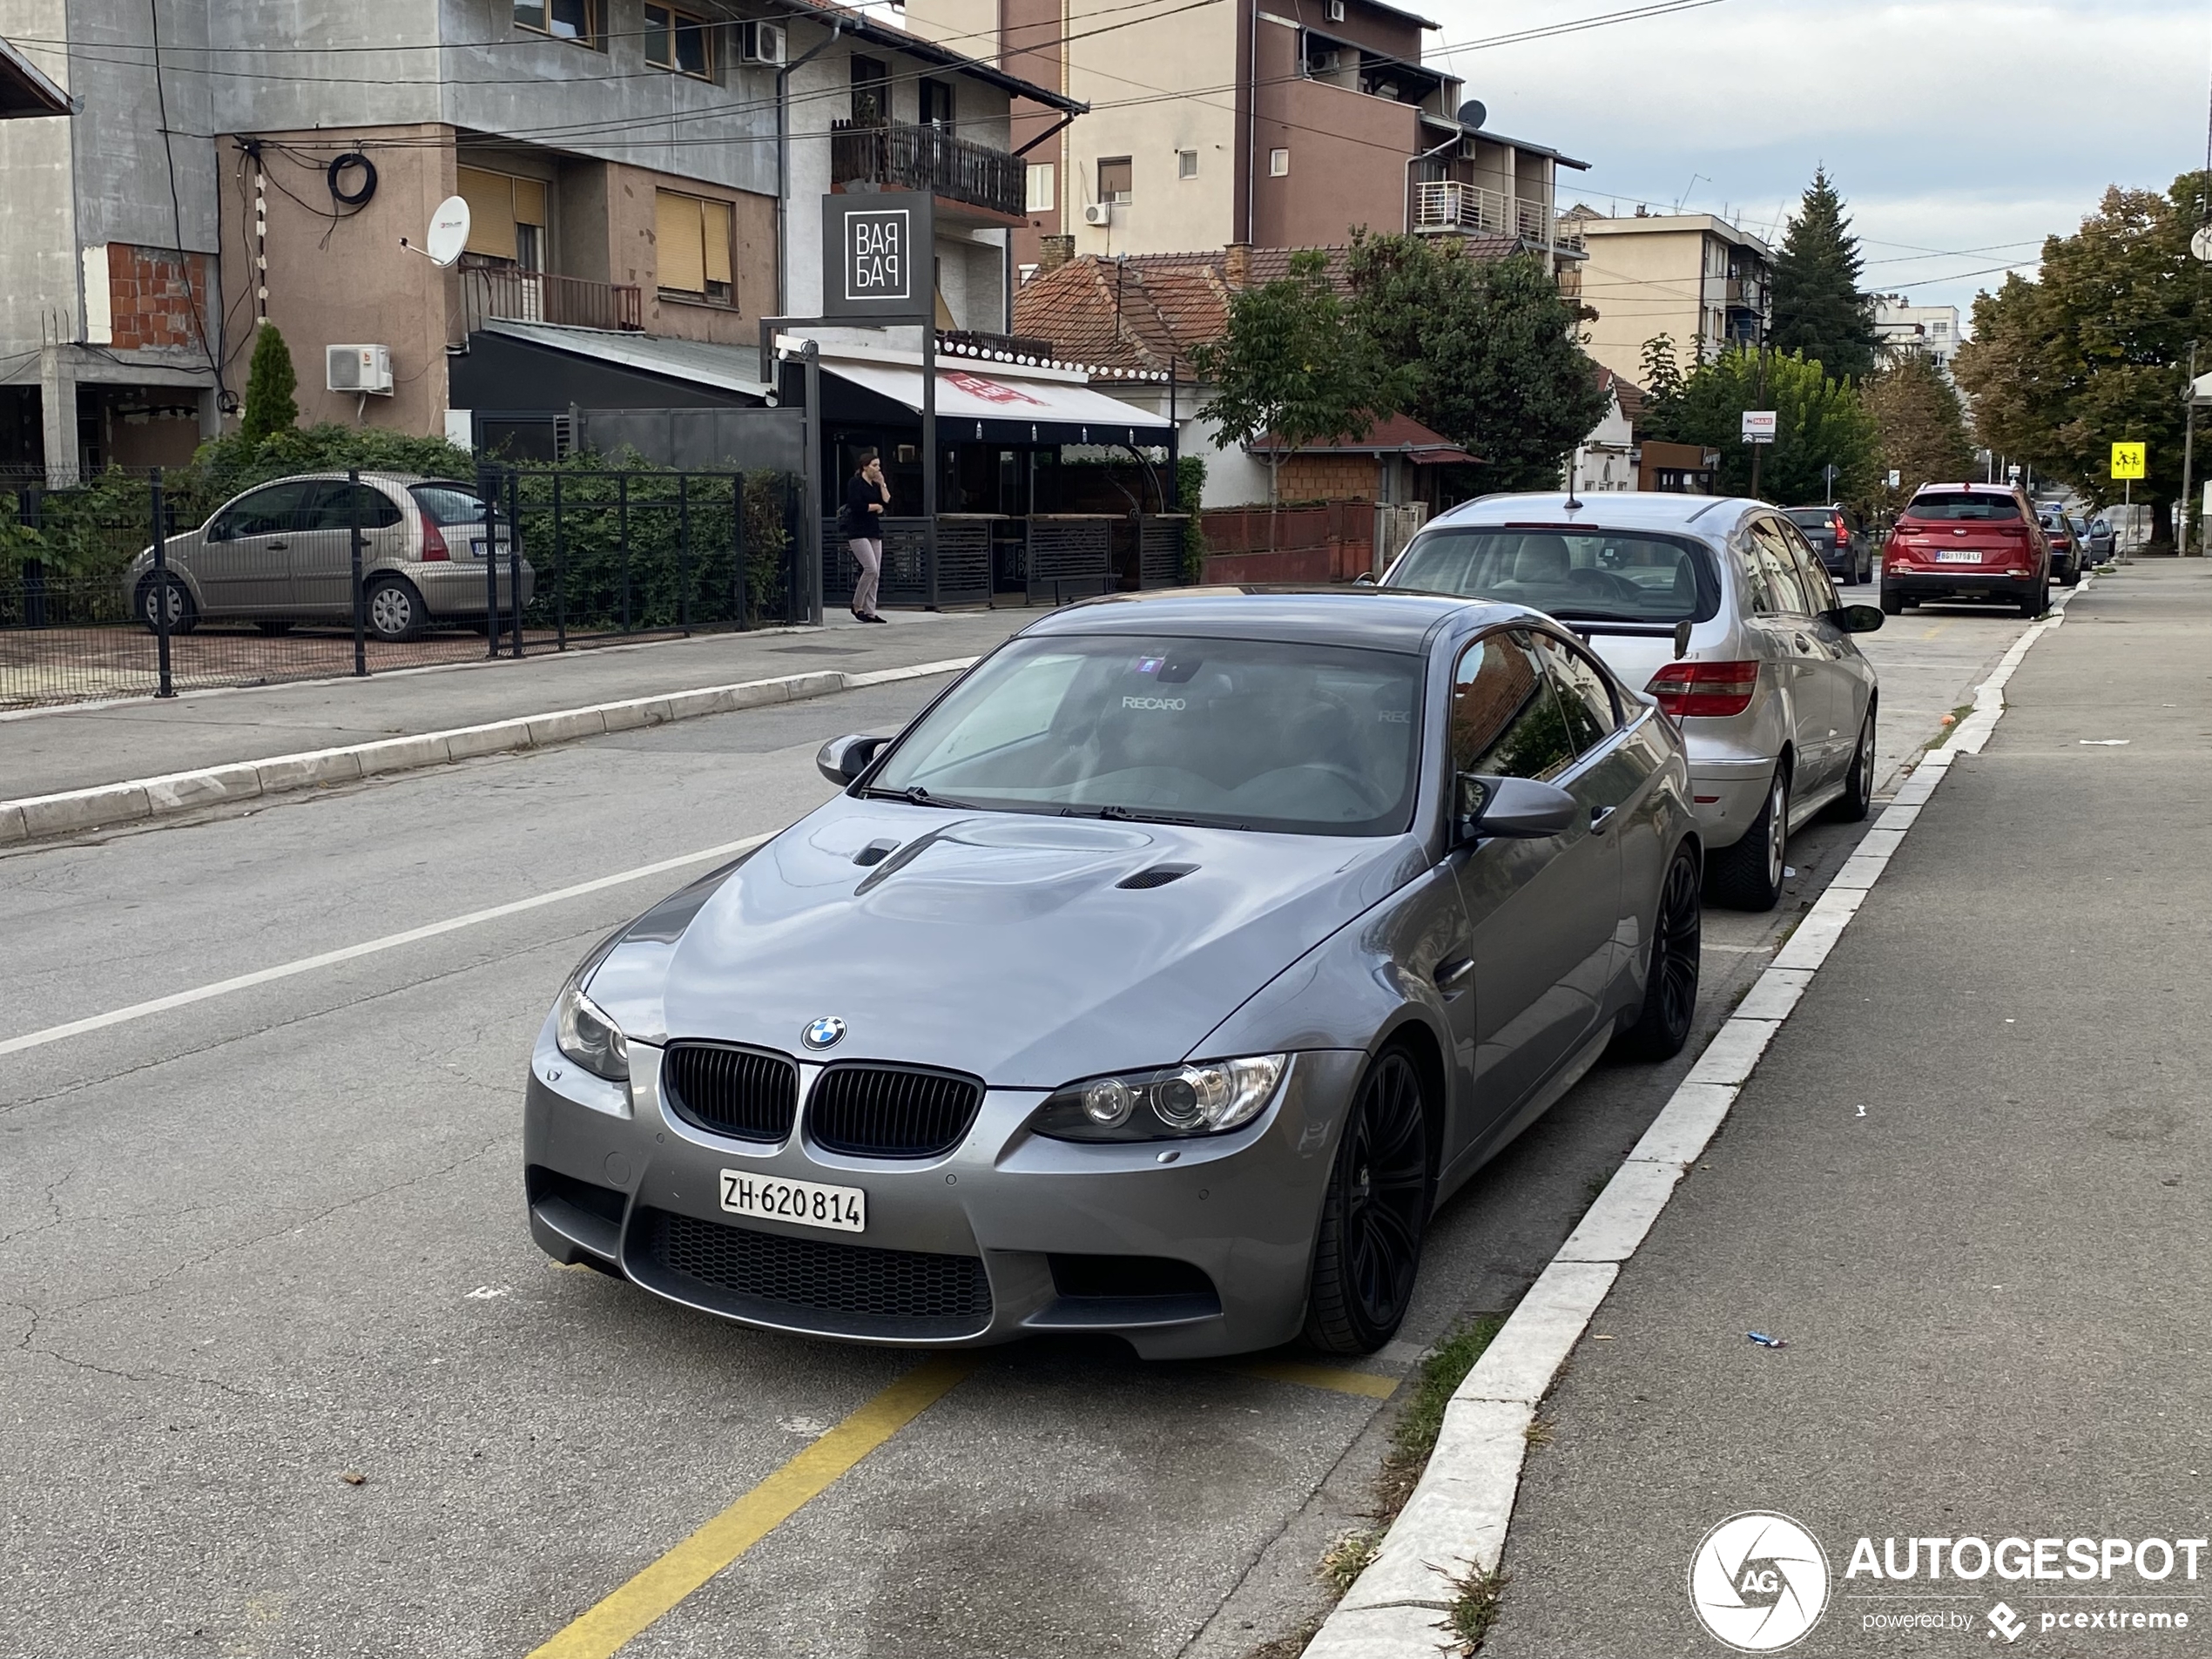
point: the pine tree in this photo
(1819, 309)
(269, 385)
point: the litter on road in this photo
(1764, 1340)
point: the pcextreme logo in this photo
(1759, 1582)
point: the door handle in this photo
(1600, 817)
(1803, 642)
(278, 547)
(1451, 977)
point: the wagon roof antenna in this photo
(1570, 504)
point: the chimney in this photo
(1236, 265)
(1053, 252)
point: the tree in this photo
(1818, 308)
(1662, 370)
(1491, 350)
(1819, 423)
(1920, 427)
(2095, 352)
(269, 385)
(1289, 365)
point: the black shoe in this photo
(871, 617)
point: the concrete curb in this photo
(1455, 1521)
(74, 811)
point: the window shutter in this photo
(529, 202)
(490, 197)
(717, 216)
(683, 255)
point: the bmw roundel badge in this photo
(824, 1033)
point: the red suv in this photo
(1967, 542)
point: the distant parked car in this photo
(1722, 612)
(1849, 557)
(281, 553)
(2066, 549)
(2101, 541)
(1967, 542)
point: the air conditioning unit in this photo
(1099, 213)
(358, 369)
(1336, 11)
(764, 43)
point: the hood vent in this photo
(1158, 876)
(876, 850)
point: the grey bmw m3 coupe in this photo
(1159, 980)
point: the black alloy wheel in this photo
(1372, 1214)
(1670, 985)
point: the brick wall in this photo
(151, 294)
(1327, 476)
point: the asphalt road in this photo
(258, 1241)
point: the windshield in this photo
(1255, 734)
(1963, 507)
(1598, 576)
(448, 504)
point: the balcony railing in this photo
(901, 156)
(537, 296)
(1448, 204)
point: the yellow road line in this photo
(611, 1625)
(1364, 1383)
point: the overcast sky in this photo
(1955, 126)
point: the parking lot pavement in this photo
(46, 751)
(1967, 1186)
(255, 1242)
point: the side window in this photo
(267, 512)
(1506, 718)
(1584, 697)
(335, 507)
(1812, 576)
(1750, 578)
(1785, 593)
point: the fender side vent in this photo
(1158, 876)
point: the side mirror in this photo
(1857, 619)
(1364, 579)
(1518, 809)
(842, 760)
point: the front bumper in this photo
(1964, 580)
(616, 1180)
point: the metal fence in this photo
(130, 588)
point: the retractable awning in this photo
(975, 407)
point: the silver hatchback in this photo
(1725, 616)
(281, 552)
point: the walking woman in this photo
(862, 525)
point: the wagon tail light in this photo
(1684, 689)
(434, 542)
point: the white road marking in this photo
(370, 948)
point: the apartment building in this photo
(641, 177)
(1705, 283)
(1908, 330)
(1284, 125)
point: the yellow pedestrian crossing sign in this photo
(2127, 460)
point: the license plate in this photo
(1957, 555)
(476, 549)
(808, 1203)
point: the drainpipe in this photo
(783, 165)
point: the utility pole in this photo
(1758, 397)
(2189, 456)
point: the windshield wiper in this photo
(1132, 815)
(915, 795)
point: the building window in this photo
(871, 89)
(1116, 180)
(678, 41)
(576, 20)
(1943, 328)
(1186, 163)
(1042, 176)
(936, 98)
(506, 217)
(693, 236)
(1279, 164)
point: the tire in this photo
(1892, 603)
(1367, 1250)
(1747, 876)
(1670, 983)
(183, 615)
(2070, 579)
(1858, 784)
(393, 609)
(273, 624)
(2037, 603)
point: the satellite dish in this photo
(448, 231)
(1472, 114)
(2201, 244)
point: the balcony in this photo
(535, 296)
(898, 156)
(1447, 205)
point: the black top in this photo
(856, 522)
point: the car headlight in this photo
(1206, 1097)
(588, 1035)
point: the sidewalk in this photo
(47, 752)
(1993, 1281)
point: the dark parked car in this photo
(1967, 542)
(2065, 546)
(1848, 556)
(1159, 981)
